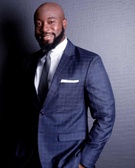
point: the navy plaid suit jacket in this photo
(80, 83)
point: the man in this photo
(55, 133)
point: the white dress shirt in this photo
(55, 55)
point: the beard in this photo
(47, 47)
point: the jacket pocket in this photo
(72, 136)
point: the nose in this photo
(45, 27)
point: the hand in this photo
(81, 166)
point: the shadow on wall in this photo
(11, 55)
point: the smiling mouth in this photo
(47, 36)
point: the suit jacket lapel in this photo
(65, 62)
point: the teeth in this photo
(47, 36)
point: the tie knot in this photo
(43, 53)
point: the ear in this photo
(64, 23)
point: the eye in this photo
(51, 21)
(38, 23)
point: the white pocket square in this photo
(69, 81)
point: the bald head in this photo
(50, 6)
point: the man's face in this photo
(49, 28)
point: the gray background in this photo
(106, 27)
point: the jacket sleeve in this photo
(102, 108)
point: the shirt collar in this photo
(60, 47)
